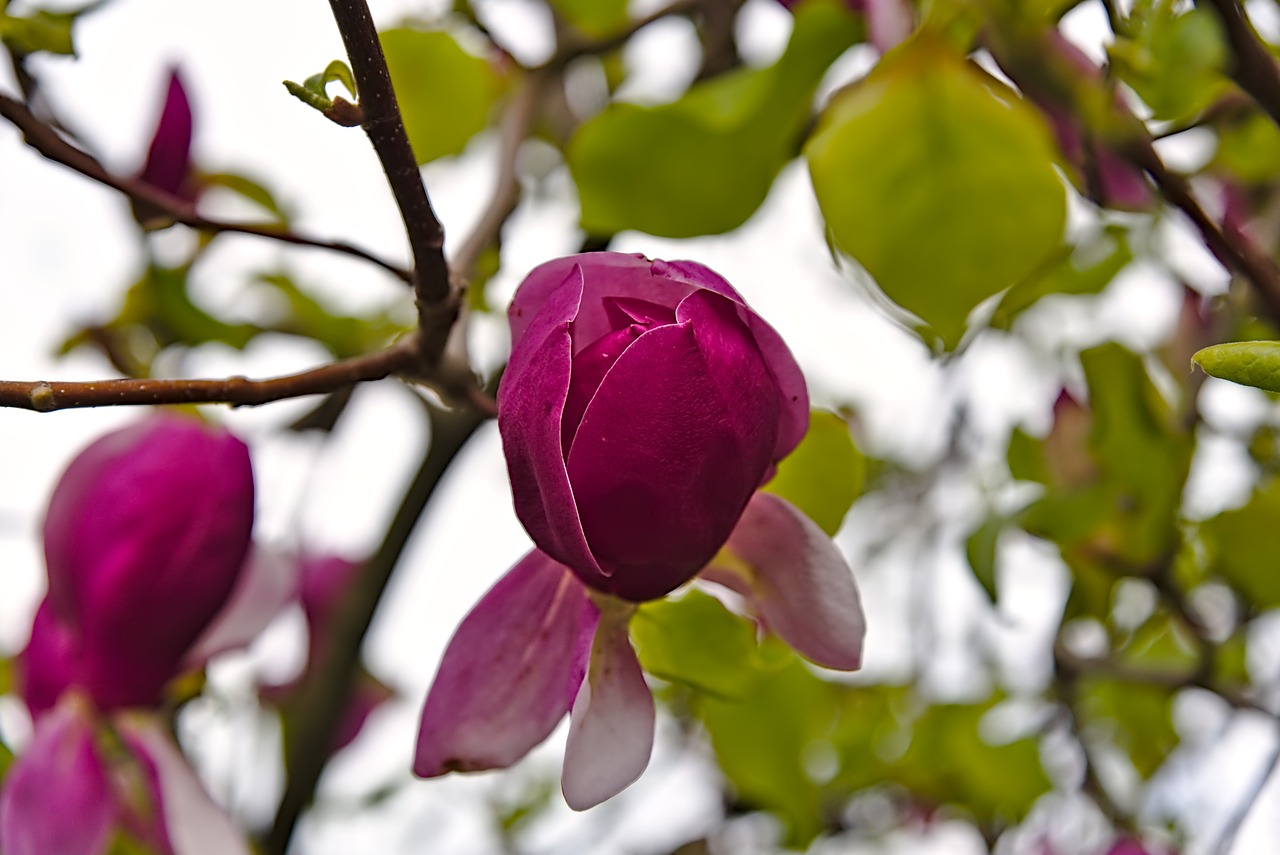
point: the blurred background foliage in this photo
(984, 173)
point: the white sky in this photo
(68, 252)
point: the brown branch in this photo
(1254, 68)
(1233, 247)
(571, 51)
(385, 128)
(323, 693)
(46, 396)
(47, 142)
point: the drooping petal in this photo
(799, 582)
(268, 582)
(531, 401)
(56, 797)
(188, 818)
(144, 539)
(47, 667)
(608, 275)
(611, 725)
(662, 464)
(501, 687)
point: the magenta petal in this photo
(608, 275)
(144, 539)
(663, 463)
(530, 409)
(800, 582)
(790, 380)
(56, 797)
(47, 667)
(611, 726)
(268, 582)
(169, 157)
(501, 688)
(188, 818)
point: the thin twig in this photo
(48, 395)
(1231, 829)
(572, 50)
(385, 128)
(1254, 69)
(1233, 247)
(47, 142)
(506, 193)
(323, 694)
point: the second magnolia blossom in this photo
(643, 406)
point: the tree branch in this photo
(385, 128)
(1254, 69)
(517, 120)
(46, 396)
(1233, 247)
(323, 693)
(47, 142)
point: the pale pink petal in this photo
(611, 727)
(501, 688)
(193, 823)
(56, 797)
(267, 583)
(799, 581)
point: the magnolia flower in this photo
(145, 538)
(643, 405)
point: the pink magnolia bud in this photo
(168, 164)
(643, 405)
(145, 536)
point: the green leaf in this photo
(1135, 717)
(1086, 269)
(1250, 148)
(595, 18)
(160, 303)
(1172, 58)
(248, 189)
(697, 642)
(980, 549)
(825, 474)
(39, 31)
(343, 335)
(1249, 363)
(1242, 549)
(949, 761)
(939, 180)
(761, 746)
(446, 94)
(6, 676)
(703, 164)
(6, 760)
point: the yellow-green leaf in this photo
(939, 181)
(824, 475)
(1249, 363)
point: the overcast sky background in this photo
(68, 251)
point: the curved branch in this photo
(47, 142)
(45, 396)
(323, 692)
(1254, 69)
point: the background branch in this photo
(47, 142)
(323, 693)
(1254, 68)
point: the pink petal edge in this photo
(611, 725)
(502, 685)
(192, 821)
(799, 581)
